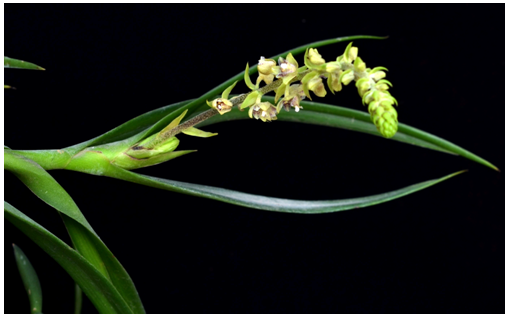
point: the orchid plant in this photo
(151, 139)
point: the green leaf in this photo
(86, 241)
(13, 63)
(340, 117)
(78, 298)
(96, 286)
(44, 186)
(313, 113)
(30, 280)
(268, 203)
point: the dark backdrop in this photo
(440, 250)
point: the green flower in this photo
(223, 105)
(265, 70)
(287, 69)
(334, 70)
(292, 99)
(313, 82)
(264, 111)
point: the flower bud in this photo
(315, 57)
(316, 85)
(359, 66)
(363, 85)
(140, 156)
(347, 77)
(376, 76)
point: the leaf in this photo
(340, 117)
(313, 113)
(13, 63)
(86, 241)
(78, 298)
(268, 203)
(98, 288)
(30, 280)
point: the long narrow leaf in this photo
(269, 203)
(98, 288)
(340, 117)
(30, 280)
(313, 113)
(13, 63)
(83, 236)
(78, 298)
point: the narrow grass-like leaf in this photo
(98, 288)
(13, 63)
(86, 241)
(44, 186)
(340, 117)
(313, 113)
(268, 203)
(30, 280)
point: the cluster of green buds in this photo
(279, 76)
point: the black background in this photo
(440, 250)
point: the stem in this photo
(78, 295)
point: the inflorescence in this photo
(278, 77)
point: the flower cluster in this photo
(279, 76)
